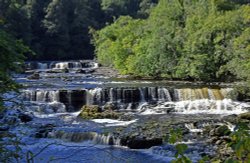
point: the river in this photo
(54, 92)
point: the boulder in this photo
(141, 143)
(34, 76)
(245, 116)
(24, 117)
(222, 131)
(44, 130)
(4, 128)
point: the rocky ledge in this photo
(212, 131)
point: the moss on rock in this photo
(95, 112)
(245, 116)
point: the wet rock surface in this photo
(24, 117)
(34, 76)
(44, 130)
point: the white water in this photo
(42, 66)
(112, 122)
(192, 128)
(68, 65)
(205, 106)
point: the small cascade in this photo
(164, 95)
(192, 128)
(201, 93)
(85, 136)
(95, 65)
(75, 65)
(73, 136)
(142, 95)
(41, 95)
(111, 95)
(42, 66)
(72, 99)
(152, 93)
(89, 64)
(94, 96)
(68, 65)
(103, 139)
(62, 65)
(210, 106)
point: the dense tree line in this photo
(58, 29)
(181, 39)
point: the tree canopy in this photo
(59, 29)
(196, 40)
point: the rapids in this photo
(56, 98)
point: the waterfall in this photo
(68, 65)
(42, 66)
(200, 93)
(95, 65)
(210, 106)
(62, 65)
(85, 136)
(111, 95)
(94, 96)
(164, 95)
(103, 139)
(40, 95)
(192, 128)
(152, 92)
(73, 136)
(185, 100)
(142, 95)
(75, 65)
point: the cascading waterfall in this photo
(164, 95)
(43, 101)
(94, 96)
(201, 93)
(74, 65)
(85, 136)
(142, 95)
(41, 95)
(42, 65)
(185, 100)
(61, 65)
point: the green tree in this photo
(11, 56)
(180, 39)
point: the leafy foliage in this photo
(11, 57)
(180, 39)
(176, 136)
(240, 144)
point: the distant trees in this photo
(196, 40)
(134, 8)
(59, 29)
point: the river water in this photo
(55, 96)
